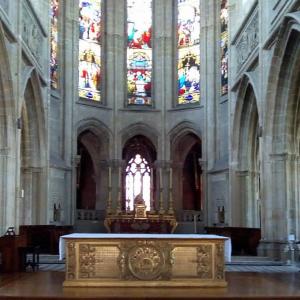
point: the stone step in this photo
(254, 261)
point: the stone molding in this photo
(247, 39)
(4, 4)
(284, 156)
(33, 34)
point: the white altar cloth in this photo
(62, 253)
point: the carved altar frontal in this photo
(145, 262)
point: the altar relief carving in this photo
(145, 260)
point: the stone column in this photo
(279, 207)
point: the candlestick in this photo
(120, 174)
(171, 175)
(160, 178)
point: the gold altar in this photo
(144, 260)
(131, 223)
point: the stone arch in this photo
(7, 140)
(139, 129)
(34, 154)
(282, 135)
(93, 147)
(186, 145)
(246, 157)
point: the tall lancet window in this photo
(188, 43)
(54, 10)
(139, 51)
(90, 49)
(224, 46)
(138, 181)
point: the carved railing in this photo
(89, 215)
(192, 216)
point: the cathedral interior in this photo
(142, 116)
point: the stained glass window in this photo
(89, 49)
(138, 181)
(224, 46)
(54, 5)
(139, 51)
(188, 43)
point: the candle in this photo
(109, 176)
(160, 177)
(171, 175)
(195, 224)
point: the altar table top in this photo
(227, 246)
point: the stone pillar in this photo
(280, 207)
(8, 204)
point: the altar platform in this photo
(145, 260)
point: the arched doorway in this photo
(186, 157)
(86, 185)
(192, 179)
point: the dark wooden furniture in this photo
(29, 256)
(9, 248)
(19, 251)
(44, 236)
(244, 240)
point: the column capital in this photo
(283, 156)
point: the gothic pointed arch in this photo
(92, 149)
(186, 153)
(8, 151)
(140, 128)
(246, 156)
(139, 173)
(34, 153)
(282, 132)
